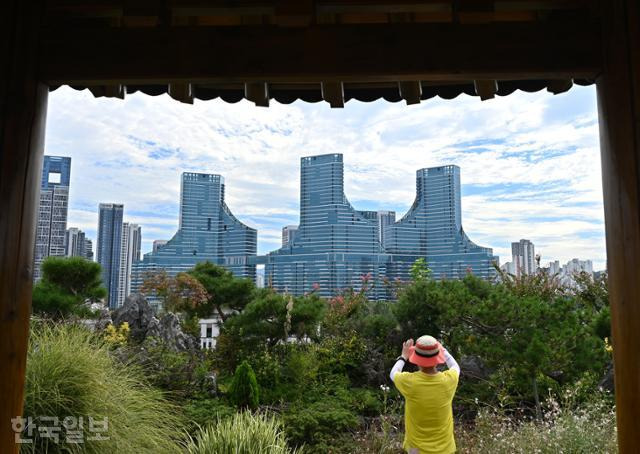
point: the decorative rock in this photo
(607, 382)
(137, 312)
(168, 331)
(473, 367)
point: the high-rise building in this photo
(509, 268)
(129, 254)
(207, 231)
(432, 229)
(52, 210)
(88, 249)
(385, 218)
(288, 234)
(157, 244)
(75, 243)
(524, 257)
(338, 247)
(109, 248)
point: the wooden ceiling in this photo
(320, 50)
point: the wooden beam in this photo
(257, 93)
(619, 110)
(333, 93)
(23, 107)
(384, 52)
(486, 89)
(411, 92)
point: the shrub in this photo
(202, 411)
(590, 428)
(244, 392)
(319, 424)
(70, 372)
(244, 433)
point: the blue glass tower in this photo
(109, 248)
(52, 210)
(207, 231)
(433, 229)
(336, 245)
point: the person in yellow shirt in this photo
(428, 395)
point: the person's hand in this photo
(406, 348)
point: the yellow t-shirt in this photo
(428, 415)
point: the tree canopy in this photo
(67, 283)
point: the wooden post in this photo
(619, 111)
(23, 107)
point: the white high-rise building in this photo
(157, 244)
(524, 257)
(288, 234)
(52, 210)
(129, 253)
(509, 268)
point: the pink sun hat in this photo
(427, 352)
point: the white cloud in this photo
(530, 162)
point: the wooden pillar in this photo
(23, 107)
(619, 111)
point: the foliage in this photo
(224, 290)
(244, 433)
(180, 293)
(66, 284)
(244, 391)
(117, 336)
(181, 374)
(317, 425)
(271, 317)
(590, 428)
(70, 372)
(203, 410)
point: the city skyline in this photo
(526, 162)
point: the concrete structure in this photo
(52, 210)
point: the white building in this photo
(157, 244)
(209, 331)
(509, 268)
(524, 257)
(129, 253)
(288, 234)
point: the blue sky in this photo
(530, 163)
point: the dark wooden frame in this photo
(30, 62)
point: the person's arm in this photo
(404, 357)
(450, 360)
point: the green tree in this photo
(67, 283)
(224, 290)
(244, 391)
(271, 317)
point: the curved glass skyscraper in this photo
(433, 228)
(336, 245)
(207, 231)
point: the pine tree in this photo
(244, 391)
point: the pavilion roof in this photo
(331, 50)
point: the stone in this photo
(137, 312)
(607, 382)
(168, 331)
(474, 368)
